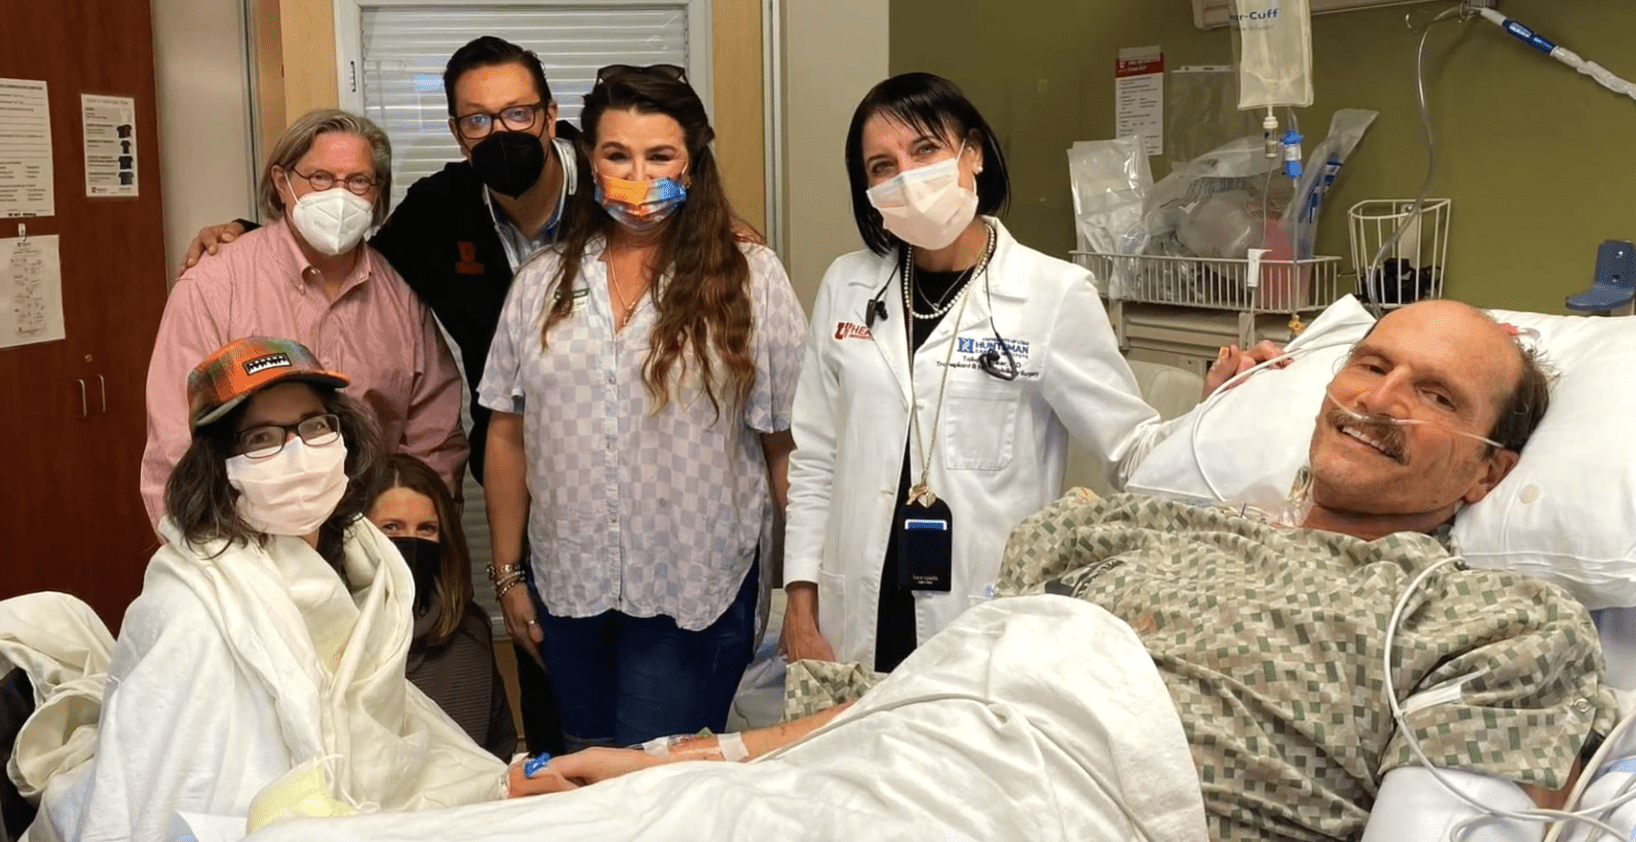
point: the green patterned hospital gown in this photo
(1270, 642)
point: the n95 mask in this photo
(332, 221)
(926, 207)
(294, 491)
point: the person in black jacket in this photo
(459, 235)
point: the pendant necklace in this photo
(625, 309)
(920, 493)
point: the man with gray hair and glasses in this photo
(310, 276)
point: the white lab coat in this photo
(1000, 446)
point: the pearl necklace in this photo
(956, 291)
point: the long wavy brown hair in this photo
(703, 301)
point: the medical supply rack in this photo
(1179, 310)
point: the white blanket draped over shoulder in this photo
(1035, 717)
(248, 686)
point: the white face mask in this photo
(926, 206)
(293, 492)
(333, 220)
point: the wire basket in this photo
(1217, 283)
(1411, 268)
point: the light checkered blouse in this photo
(649, 514)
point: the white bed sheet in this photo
(999, 728)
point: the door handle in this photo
(102, 385)
(85, 408)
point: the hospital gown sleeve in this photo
(1045, 545)
(1516, 706)
(812, 465)
(1090, 386)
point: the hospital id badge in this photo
(925, 546)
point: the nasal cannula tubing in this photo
(1587, 816)
(1405, 422)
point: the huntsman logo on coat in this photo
(978, 346)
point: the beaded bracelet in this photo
(500, 590)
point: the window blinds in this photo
(405, 49)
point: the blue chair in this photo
(1615, 284)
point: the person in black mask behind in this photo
(451, 657)
(460, 234)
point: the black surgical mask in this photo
(425, 562)
(509, 162)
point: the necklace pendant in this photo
(921, 496)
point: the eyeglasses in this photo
(321, 181)
(517, 118)
(674, 73)
(266, 440)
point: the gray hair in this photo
(298, 139)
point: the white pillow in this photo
(1565, 513)
(1245, 444)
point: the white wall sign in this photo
(110, 145)
(30, 291)
(1139, 96)
(25, 150)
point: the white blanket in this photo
(63, 647)
(248, 682)
(1037, 718)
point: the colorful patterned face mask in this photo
(639, 205)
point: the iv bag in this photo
(1274, 52)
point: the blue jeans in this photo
(622, 680)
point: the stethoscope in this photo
(989, 361)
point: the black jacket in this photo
(441, 239)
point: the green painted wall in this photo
(1539, 161)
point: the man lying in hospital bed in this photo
(1182, 672)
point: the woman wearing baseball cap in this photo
(260, 675)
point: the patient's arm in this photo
(594, 765)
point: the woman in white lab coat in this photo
(913, 464)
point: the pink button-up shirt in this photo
(375, 331)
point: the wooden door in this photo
(73, 422)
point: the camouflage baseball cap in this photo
(243, 366)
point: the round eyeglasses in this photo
(264, 441)
(322, 180)
(517, 118)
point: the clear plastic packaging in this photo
(1346, 129)
(1110, 180)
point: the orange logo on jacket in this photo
(467, 265)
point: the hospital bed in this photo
(1563, 515)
